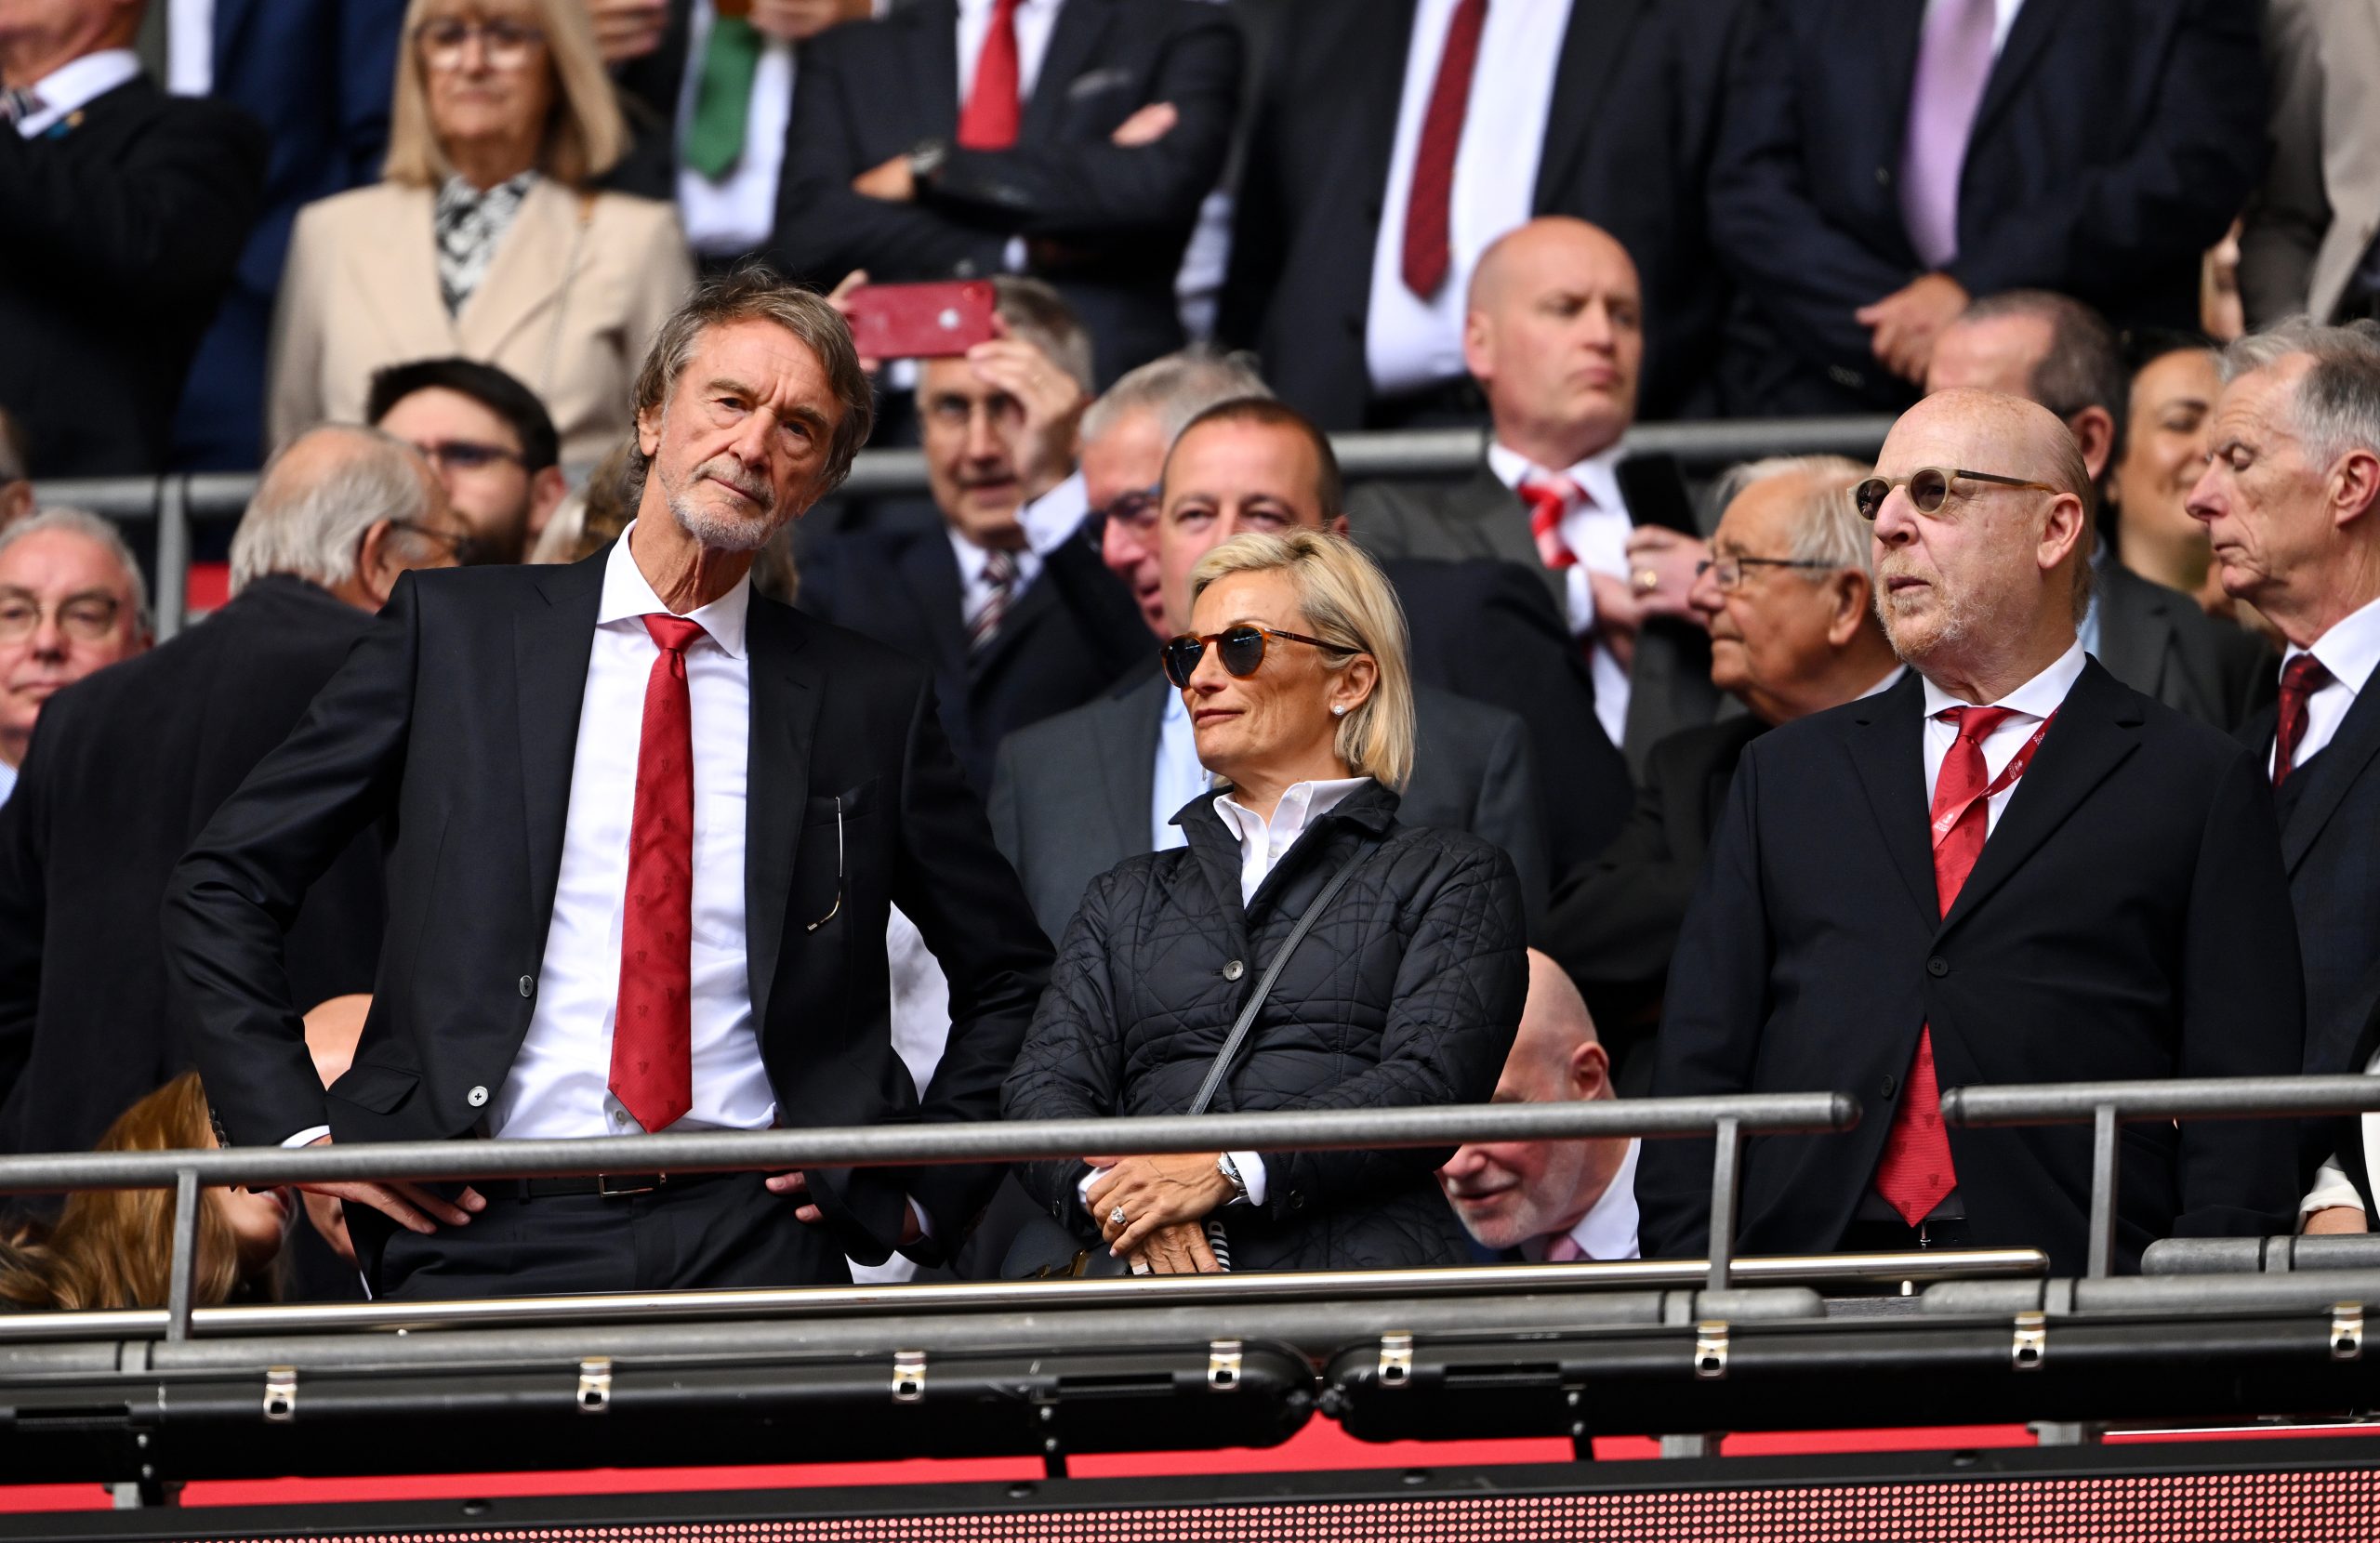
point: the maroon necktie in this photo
(1427, 254)
(653, 1063)
(992, 115)
(1915, 1174)
(2300, 678)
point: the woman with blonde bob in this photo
(1402, 990)
(487, 238)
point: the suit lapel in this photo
(1886, 745)
(1503, 519)
(401, 272)
(1024, 612)
(2026, 38)
(2093, 735)
(532, 268)
(1592, 46)
(1371, 49)
(1074, 43)
(785, 698)
(931, 580)
(2134, 634)
(2331, 774)
(929, 49)
(1128, 761)
(552, 636)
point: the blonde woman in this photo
(486, 240)
(1405, 992)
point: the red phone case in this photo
(920, 321)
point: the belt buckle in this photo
(604, 1186)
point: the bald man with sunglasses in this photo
(2009, 868)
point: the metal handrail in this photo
(1727, 1120)
(2108, 1105)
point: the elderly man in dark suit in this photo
(650, 826)
(2057, 351)
(1793, 631)
(127, 212)
(130, 763)
(1078, 794)
(1070, 139)
(2009, 868)
(1879, 166)
(2289, 496)
(1554, 337)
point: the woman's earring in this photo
(1339, 710)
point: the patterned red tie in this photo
(1549, 500)
(2300, 678)
(653, 1066)
(1427, 210)
(1916, 1173)
(993, 112)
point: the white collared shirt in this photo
(8, 782)
(1409, 342)
(1596, 529)
(2030, 703)
(1035, 19)
(1179, 775)
(190, 48)
(2003, 16)
(735, 214)
(1608, 1230)
(1263, 843)
(1048, 521)
(2350, 650)
(76, 85)
(559, 1085)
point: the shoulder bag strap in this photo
(1246, 1019)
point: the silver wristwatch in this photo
(1230, 1170)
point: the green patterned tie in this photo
(715, 140)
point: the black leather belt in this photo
(606, 1186)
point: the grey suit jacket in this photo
(1071, 794)
(2159, 643)
(2310, 225)
(1669, 684)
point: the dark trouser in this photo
(724, 1230)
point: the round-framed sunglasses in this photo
(1929, 488)
(1241, 650)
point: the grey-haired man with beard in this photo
(650, 825)
(2009, 868)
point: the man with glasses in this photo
(2009, 868)
(489, 440)
(129, 764)
(1790, 603)
(72, 602)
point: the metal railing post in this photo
(1727, 1142)
(183, 1281)
(2101, 1260)
(172, 555)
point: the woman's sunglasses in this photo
(1929, 488)
(1240, 648)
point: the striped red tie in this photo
(653, 1064)
(1428, 253)
(2300, 678)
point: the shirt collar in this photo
(1597, 476)
(1608, 1230)
(628, 595)
(1302, 805)
(78, 83)
(1892, 677)
(2350, 650)
(2036, 698)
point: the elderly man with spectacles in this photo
(1788, 597)
(72, 602)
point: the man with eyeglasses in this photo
(489, 440)
(2008, 867)
(129, 765)
(72, 602)
(1789, 600)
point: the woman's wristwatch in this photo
(1230, 1170)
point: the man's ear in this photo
(2354, 485)
(2064, 532)
(2094, 432)
(1478, 347)
(1854, 601)
(1589, 1072)
(547, 490)
(648, 431)
(376, 572)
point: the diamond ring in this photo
(1117, 1217)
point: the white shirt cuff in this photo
(2332, 1188)
(309, 1136)
(925, 1223)
(1251, 1173)
(1052, 519)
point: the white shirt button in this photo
(476, 1097)
(619, 1116)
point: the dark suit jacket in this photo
(2159, 643)
(1106, 224)
(1308, 207)
(2115, 141)
(125, 770)
(2127, 919)
(1669, 682)
(459, 715)
(1073, 796)
(1064, 641)
(1615, 920)
(123, 225)
(317, 73)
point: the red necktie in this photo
(653, 1064)
(1915, 1173)
(992, 114)
(1427, 254)
(1547, 501)
(2300, 678)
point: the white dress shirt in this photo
(76, 85)
(2350, 650)
(735, 214)
(190, 48)
(1048, 521)
(2003, 16)
(1608, 1230)
(1596, 529)
(559, 1085)
(1179, 775)
(8, 783)
(2031, 702)
(1409, 342)
(1035, 19)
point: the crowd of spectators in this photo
(1144, 734)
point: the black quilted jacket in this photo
(1406, 992)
